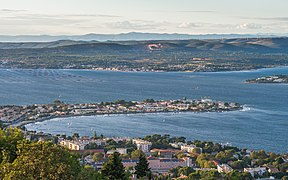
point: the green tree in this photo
(185, 171)
(89, 173)
(57, 102)
(239, 164)
(204, 161)
(9, 138)
(114, 169)
(98, 157)
(41, 160)
(136, 154)
(75, 136)
(142, 167)
(236, 175)
(261, 154)
(196, 150)
(95, 135)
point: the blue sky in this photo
(57, 17)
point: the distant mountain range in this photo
(263, 45)
(168, 55)
(137, 36)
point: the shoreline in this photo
(150, 71)
(24, 123)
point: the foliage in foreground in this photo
(22, 159)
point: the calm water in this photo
(262, 125)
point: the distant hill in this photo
(258, 45)
(148, 55)
(127, 37)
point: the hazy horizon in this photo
(32, 17)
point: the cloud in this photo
(11, 10)
(90, 15)
(249, 26)
(51, 19)
(267, 18)
(203, 11)
(190, 25)
(137, 25)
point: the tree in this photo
(197, 150)
(95, 135)
(261, 154)
(41, 160)
(204, 161)
(142, 167)
(98, 157)
(136, 154)
(89, 173)
(239, 164)
(57, 102)
(114, 169)
(236, 175)
(8, 143)
(185, 171)
(75, 136)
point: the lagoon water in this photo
(263, 124)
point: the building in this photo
(272, 169)
(165, 153)
(142, 145)
(256, 171)
(163, 165)
(177, 145)
(72, 145)
(119, 150)
(189, 148)
(224, 168)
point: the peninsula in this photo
(270, 79)
(20, 115)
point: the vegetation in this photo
(114, 169)
(22, 159)
(162, 142)
(142, 167)
(192, 55)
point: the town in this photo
(173, 157)
(270, 79)
(20, 115)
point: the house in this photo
(256, 171)
(165, 153)
(142, 145)
(72, 145)
(272, 169)
(163, 165)
(119, 150)
(224, 168)
(189, 148)
(177, 145)
(130, 162)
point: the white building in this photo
(142, 145)
(73, 145)
(253, 171)
(189, 148)
(119, 150)
(224, 168)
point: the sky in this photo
(76, 17)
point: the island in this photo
(270, 79)
(21, 115)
